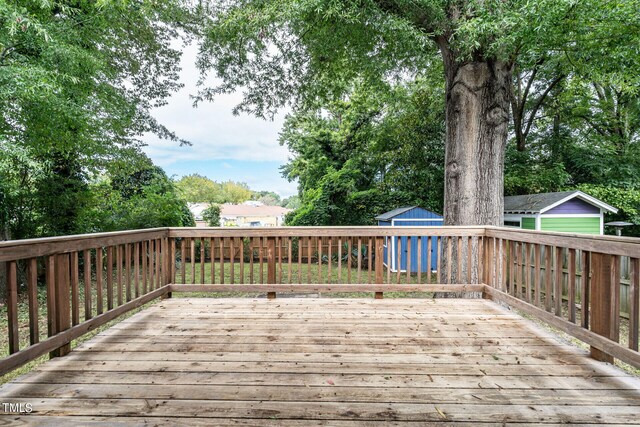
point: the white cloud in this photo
(214, 131)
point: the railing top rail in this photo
(11, 250)
(348, 231)
(614, 245)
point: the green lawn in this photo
(304, 273)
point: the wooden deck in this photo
(338, 362)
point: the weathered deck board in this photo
(338, 362)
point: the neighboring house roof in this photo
(540, 203)
(249, 210)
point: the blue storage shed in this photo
(410, 216)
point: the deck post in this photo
(379, 266)
(63, 308)
(271, 265)
(601, 319)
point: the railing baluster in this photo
(109, 273)
(153, 260)
(548, 278)
(192, 259)
(558, 281)
(136, 268)
(369, 258)
(251, 251)
(172, 261)
(449, 241)
(32, 290)
(527, 270)
(242, 275)
(469, 242)
(409, 244)
(398, 260)
(51, 295)
(119, 273)
(222, 272)
(146, 258)
(634, 303)
(309, 259)
(319, 278)
(278, 243)
(183, 261)
(330, 261)
(212, 259)
(536, 274)
(271, 264)
(261, 254)
(158, 263)
(289, 260)
(339, 259)
(429, 258)
(12, 307)
(359, 260)
(419, 255)
(203, 256)
(459, 266)
(99, 279)
(232, 259)
(585, 291)
(571, 285)
(127, 261)
(300, 245)
(75, 309)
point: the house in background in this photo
(410, 216)
(196, 210)
(248, 214)
(567, 211)
(252, 215)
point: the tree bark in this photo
(477, 118)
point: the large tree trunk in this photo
(477, 118)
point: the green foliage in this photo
(313, 55)
(200, 189)
(364, 156)
(143, 203)
(268, 198)
(212, 215)
(626, 200)
(77, 83)
(292, 202)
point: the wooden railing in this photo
(325, 259)
(528, 270)
(75, 284)
(71, 285)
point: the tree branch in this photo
(539, 102)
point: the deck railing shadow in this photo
(71, 285)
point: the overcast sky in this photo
(225, 147)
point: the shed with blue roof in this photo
(410, 216)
